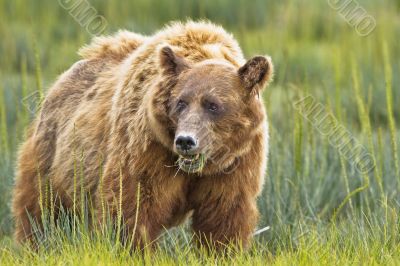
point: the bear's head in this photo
(208, 113)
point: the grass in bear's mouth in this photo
(192, 163)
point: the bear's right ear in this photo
(171, 63)
(256, 73)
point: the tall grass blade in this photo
(366, 123)
(390, 115)
(3, 123)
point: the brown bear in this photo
(152, 130)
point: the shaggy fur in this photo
(110, 120)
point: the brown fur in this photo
(113, 113)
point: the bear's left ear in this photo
(171, 63)
(256, 73)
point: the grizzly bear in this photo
(152, 130)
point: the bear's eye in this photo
(212, 107)
(181, 105)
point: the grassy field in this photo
(320, 207)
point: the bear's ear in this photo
(256, 73)
(171, 63)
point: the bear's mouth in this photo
(191, 163)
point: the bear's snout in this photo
(185, 144)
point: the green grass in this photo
(320, 209)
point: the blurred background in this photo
(316, 51)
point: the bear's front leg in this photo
(126, 200)
(223, 217)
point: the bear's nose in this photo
(185, 143)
